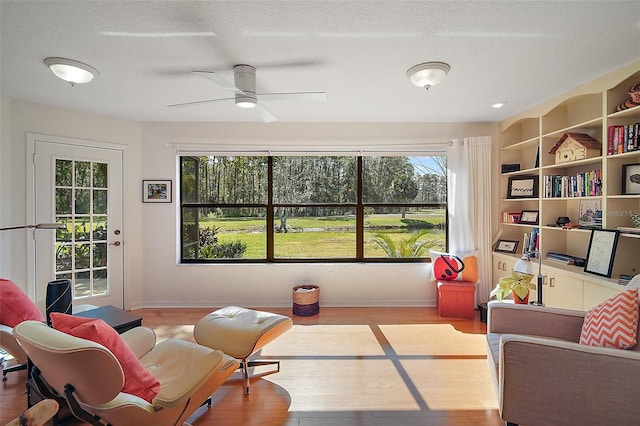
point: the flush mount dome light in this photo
(428, 74)
(73, 72)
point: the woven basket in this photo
(306, 303)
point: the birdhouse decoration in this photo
(575, 146)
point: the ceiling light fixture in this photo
(428, 74)
(499, 104)
(73, 72)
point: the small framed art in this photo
(522, 187)
(630, 179)
(601, 252)
(529, 217)
(156, 191)
(507, 246)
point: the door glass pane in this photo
(82, 205)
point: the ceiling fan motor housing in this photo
(245, 80)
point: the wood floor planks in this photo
(343, 367)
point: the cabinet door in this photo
(561, 290)
(594, 294)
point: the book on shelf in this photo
(624, 279)
(628, 230)
(565, 259)
(586, 184)
(511, 217)
(623, 138)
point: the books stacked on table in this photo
(565, 258)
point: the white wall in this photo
(153, 277)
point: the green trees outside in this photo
(403, 196)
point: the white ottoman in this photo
(240, 332)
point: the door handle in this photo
(117, 244)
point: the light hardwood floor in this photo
(343, 367)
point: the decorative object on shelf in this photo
(631, 179)
(522, 187)
(590, 214)
(507, 246)
(601, 252)
(575, 146)
(510, 167)
(562, 221)
(529, 217)
(156, 191)
(635, 220)
(633, 100)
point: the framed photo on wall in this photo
(630, 179)
(507, 246)
(601, 252)
(522, 187)
(156, 191)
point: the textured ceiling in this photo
(522, 52)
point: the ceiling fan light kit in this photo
(428, 74)
(245, 81)
(71, 71)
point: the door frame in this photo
(31, 139)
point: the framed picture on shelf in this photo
(156, 191)
(630, 179)
(529, 217)
(507, 246)
(601, 252)
(590, 214)
(522, 187)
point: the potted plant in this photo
(518, 284)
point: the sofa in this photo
(544, 376)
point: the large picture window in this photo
(312, 208)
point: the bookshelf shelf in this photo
(589, 109)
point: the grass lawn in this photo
(326, 237)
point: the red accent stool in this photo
(456, 299)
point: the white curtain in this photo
(469, 202)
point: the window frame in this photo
(270, 207)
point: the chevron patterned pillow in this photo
(613, 323)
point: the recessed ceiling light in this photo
(499, 104)
(73, 72)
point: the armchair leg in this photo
(17, 367)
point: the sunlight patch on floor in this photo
(325, 340)
(439, 339)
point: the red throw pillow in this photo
(15, 306)
(137, 380)
(613, 323)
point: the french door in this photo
(79, 186)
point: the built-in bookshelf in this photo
(589, 191)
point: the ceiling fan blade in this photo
(198, 102)
(266, 115)
(299, 96)
(220, 81)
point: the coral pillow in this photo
(15, 306)
(454, 266)
(613, 323)
(137, 380)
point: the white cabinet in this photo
(561, 290)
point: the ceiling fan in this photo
(244, 87)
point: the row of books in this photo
(511, 217)
(621, 139)
(531, 241)
(587, 184)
